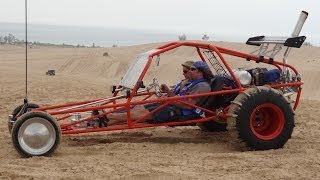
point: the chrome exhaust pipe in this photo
(299, 25)
(295, 33)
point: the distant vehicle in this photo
(51, 72)
(257, 104)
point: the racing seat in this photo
(217, 83)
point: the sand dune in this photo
(155, 153)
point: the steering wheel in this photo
(156, 86)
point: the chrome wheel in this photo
(36, 133)
(36, 136)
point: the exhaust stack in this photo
(300, 22)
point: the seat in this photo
(217, 83)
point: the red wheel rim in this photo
(267, 121)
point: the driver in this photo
(176, 89)
(200, 75)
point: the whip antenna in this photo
(26, 33)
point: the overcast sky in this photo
(238, 17)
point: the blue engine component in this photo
(263, 76)
(271, 75)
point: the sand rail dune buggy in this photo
(257, 104)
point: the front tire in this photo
(17, 110)
(36, 134)
(261, 118)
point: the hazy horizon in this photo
(106, 37)
(162, 20)
(101, 36)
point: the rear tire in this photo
(260, 118)
(36, 134)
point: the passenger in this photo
(178, 87)
(200, 75)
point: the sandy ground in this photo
(154, 153)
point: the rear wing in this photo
(270, 46)
(285, 41)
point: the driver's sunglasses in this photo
(185, 71)
(193, 68)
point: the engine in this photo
(257, 76)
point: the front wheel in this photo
(19, 111)
(36, 134)
(261, 118)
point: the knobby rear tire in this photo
(260, 118)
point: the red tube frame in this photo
(67, 128)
